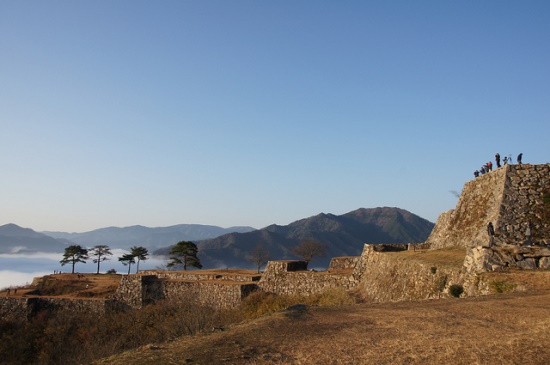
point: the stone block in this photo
(527, 264)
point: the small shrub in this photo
(501, 286)
(456, 290)
(433, 270)
(111, 271)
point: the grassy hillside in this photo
(496, 329)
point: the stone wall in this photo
(509, 197)
(197, 275)
(343, 262)
(285, 277)
(22, 308)
(139, 290)
(418, 246)
(213, 294)
(523, 202)
(15, 308)
(480, 259)
(384, 277)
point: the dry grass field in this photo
(511, 328)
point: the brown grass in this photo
(499, 329)
(449, 256)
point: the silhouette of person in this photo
(491, 233)
(519, 158)
(497, 159)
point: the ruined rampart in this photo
(197, 275)
(509, 197)
(22, 308)
(292, 277)
(139, 290)
(387, 275)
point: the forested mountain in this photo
(343, 235)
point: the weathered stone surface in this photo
(344, 262)
(527, 264)
(285, 277)
(544, 263)
(498, 258)
(22, 308)
(509, 197)
(139, 290)
(381, 278)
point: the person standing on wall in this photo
(497, 159)
(519, 158)
(491, 233)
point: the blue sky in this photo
(115, 113)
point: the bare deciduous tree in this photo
(259, 256)
(308, 249)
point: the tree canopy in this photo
(140, 253)
(74, 254)
(101, 253)
(127, 259)
(184, 253)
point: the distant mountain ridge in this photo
(15, 239)
(152, 238)
(344, 235)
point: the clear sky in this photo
(115, 113)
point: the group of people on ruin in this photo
(488, 167)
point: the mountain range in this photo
(151, 238)
(15, 239)
(343, 235)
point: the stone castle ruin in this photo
(511, 197)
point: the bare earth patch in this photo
(498, 329)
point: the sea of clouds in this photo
(18, 269)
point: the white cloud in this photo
(16, 278)
(33, 255)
